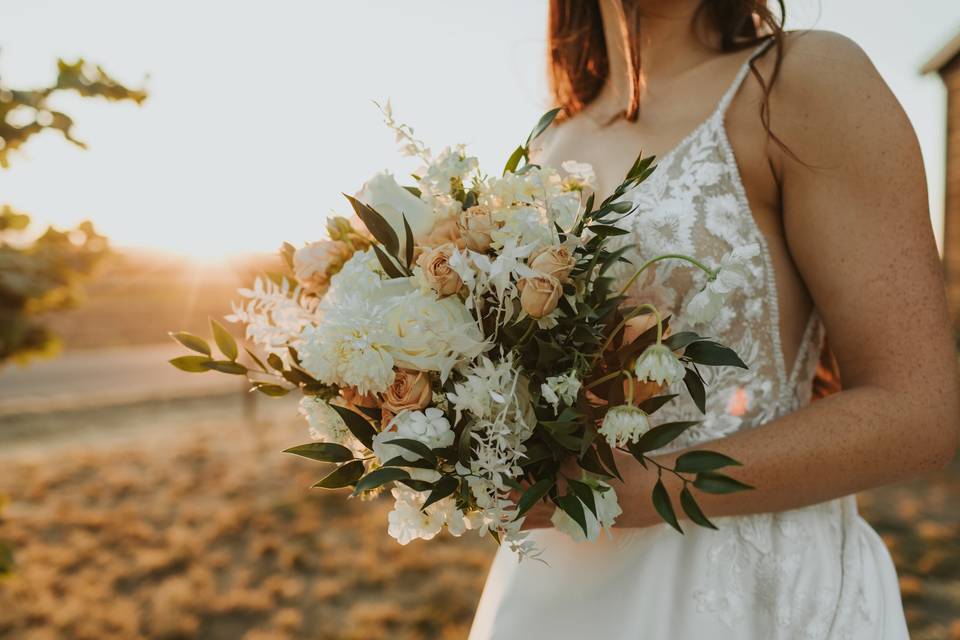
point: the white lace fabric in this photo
(818, 573)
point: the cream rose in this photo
(393, 202)
(556, 261)
(539, 295)
(314, 264)
(411, 390)
(476, 226)
(445, 231)
(428, 334)
(437, 273)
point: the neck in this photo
(666, 40)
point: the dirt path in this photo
(94, 378)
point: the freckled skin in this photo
(850, 233)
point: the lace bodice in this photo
(814, 573)
(695, 204)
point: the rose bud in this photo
(639, 325)
(555, 261)
(446, 230)
(355, 399)
(539, 295)
(436, 270)
(410, 390)
(317, 262)
(476, 226)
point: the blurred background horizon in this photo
(261, 116)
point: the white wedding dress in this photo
(817, 573)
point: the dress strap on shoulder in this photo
(741, 74)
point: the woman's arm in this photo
(858, 228)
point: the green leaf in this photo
(533, 495)
(257, 360)
(692, 509)
(376, 225)
(701, 460)
(680, 340)
(407, 243)
(391, 269)
(604, 230)
(712, 482)
(542, 125)
(416, 485)
(296, 376)
(414, 446)
(272, 390)
(445, 487)
(591, 462)
(400, 461)
(585, 493)
(192, 364)
(464, 446)
(357, 424)
(713, 354)
(652, 405)
(694, 384)
(192, 342)
(661, 502)
(662, 435)
(379, 477)
(343, 476)
(511, 482)
(514, 161)
(606, 456)
(322, 451)
(227, 366)
(574, 508)
(225, 341)
(275, 361)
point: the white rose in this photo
(431, 334)
(393, 202)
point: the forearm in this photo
(857, 439)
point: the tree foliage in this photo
(41, 272)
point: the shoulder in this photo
(828, 92)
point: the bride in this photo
(790, 142)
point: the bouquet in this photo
(461, 339)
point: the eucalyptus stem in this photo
(669, 256)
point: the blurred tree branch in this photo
(41, 273)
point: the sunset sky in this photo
(260, 114)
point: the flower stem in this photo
(636, 311)
(669, 256)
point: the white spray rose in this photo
(429, 427)
(408, 522)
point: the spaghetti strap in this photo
(741, 74)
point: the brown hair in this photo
(579, 66)
(577, 51)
